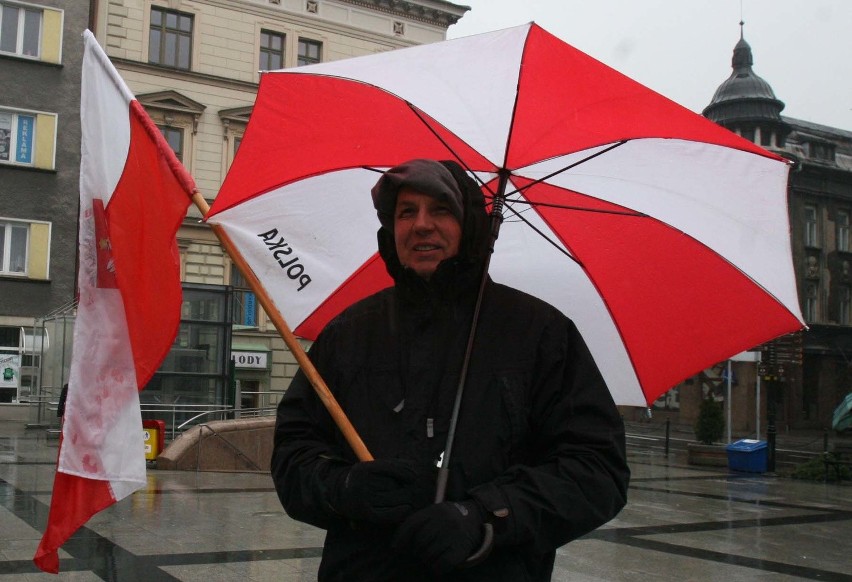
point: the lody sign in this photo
(252, 360)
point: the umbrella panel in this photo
(672, 299)
(359, 126)
(568, 101)
(369, 279)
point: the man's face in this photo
(425, 231)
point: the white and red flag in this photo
(134, 193)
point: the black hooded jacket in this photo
(539, 441)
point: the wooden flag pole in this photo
(321, 388)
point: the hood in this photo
(450, 182)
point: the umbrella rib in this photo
(571, 166)
(457, 157)
(565, 206)
(560, 171)
(569, 207)
(544, 236)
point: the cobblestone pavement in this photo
(682, 523)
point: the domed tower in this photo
(746, 104)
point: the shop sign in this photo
(254, 360)
(24, 153)
(10, 370)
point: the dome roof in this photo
(743, 95)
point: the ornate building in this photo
(195, 66)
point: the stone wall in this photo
(242, 445)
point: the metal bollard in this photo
(668, 434)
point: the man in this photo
(539, 448)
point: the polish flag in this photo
(134, 193)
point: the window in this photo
(17, 138)
(170, 39)
(27, 138)
(195, 371)
(821, 151)
(843, 230)
(13, 248)
(845, 307)
(271, 50)
(31, 32)
(20, 30)
(810, 307)
(245, 302)
(10, 338)
(310, 52)
(811, 231)
(249, 394)
(174, 137)
(10, 364)
(234, 122)
(24, 248)
(177, 118)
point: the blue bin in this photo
(747, 455)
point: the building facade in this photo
(40, 70)
(802, 377)
(195, 66)
(820, 208)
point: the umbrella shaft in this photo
(496, 221)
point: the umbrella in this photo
(662, 235)
(842, 418)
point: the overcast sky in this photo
(683, 48)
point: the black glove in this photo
(442, 535)
(384, 491)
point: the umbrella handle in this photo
(484, 549)
(341, 420)
(487, 529)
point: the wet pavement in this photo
(682, 523)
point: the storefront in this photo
(21, 351)
(194, 377)
(251, 364)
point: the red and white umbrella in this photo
(662, 235)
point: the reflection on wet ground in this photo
(682, 523)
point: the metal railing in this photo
(180, 417)
(42, 411)
(175, 414)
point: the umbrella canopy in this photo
(842, 418)
(662, 235)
